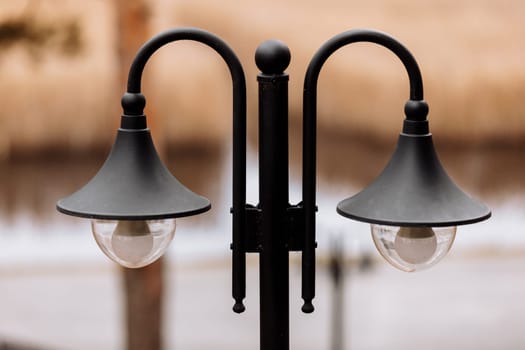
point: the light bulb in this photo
(133, 243)
(413, 248)
(415, 245)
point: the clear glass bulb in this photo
(413, 248)
(133, 243)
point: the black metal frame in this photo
(273, 227)
(417, 113)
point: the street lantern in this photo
(133, 200)
(413, 205)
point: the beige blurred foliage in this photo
(470, 53)
(58, 102)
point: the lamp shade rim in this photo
(414, 190)
(133, 184)
(429, 223)
(133, 216)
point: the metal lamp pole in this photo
(272, 58)
(413, 192)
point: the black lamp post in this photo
(412, 205)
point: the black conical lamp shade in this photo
(133, 184)
(414, 190)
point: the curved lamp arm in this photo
(133, 104)
(416, 111)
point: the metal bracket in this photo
(294, 229)
(253, 232)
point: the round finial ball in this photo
(416, 110)
(238, 307)
(133, 103)
(308, 307)
(272, 57)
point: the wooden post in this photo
(142, 287)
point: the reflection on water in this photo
(43, 249)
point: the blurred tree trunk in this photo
(144, 306)
(143, 287)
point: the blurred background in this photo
(63, 67)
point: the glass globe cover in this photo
(133, 243)
(413, 248)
